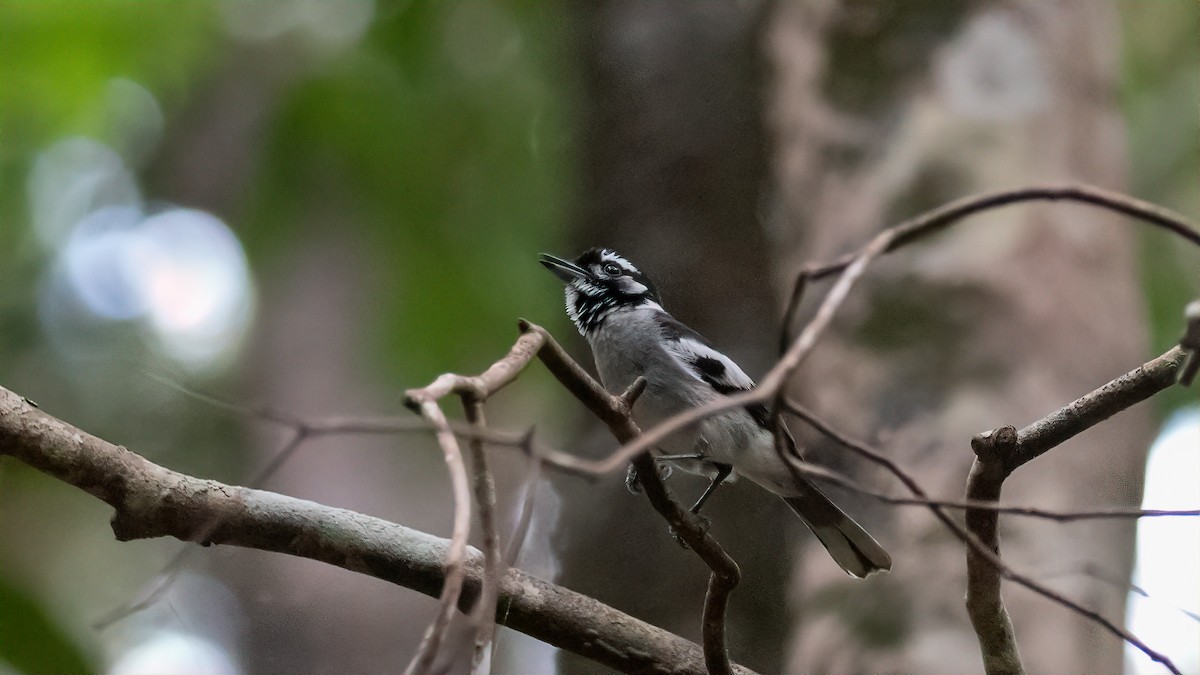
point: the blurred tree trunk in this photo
(880, 110)
(673, 150)
(301, 616)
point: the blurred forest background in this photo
(313, 205)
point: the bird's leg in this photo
(723, 471)
(679, 458)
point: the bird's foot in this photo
(631, 481)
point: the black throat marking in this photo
(592, 299)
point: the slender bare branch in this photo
(533, 479)
(934, 221)
(999, 453)
(484, 614)
(1095, 407)
(842, 480)
(989, 617)
(455, 554)
(473, 391)
(930, 222)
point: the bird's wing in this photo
(705, 363)
(700, 359)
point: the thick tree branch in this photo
(152, 501)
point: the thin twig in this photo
(1095, 407)
(473, 390)
(452, 589)
(934, 221)
(841, 480)
(793, 308)
(484, 614)
(930, 222)
(533, 479)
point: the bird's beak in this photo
(563, 269)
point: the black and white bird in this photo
(616, 308)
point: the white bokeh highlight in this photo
(324, 24)
(191, 276)
(181, 273)
(175, 653)
(71, 179)
(1168, 553)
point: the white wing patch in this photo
(631, 287)
(709, 365)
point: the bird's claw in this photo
(631, 477)
(664, 471)
(631, 481)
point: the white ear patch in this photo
(632, 287)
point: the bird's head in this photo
(599, 282)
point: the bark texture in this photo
(879, 111)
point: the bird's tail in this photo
(848, 543)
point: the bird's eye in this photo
(612, 270)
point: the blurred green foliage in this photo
(57, 60)
(1160, 97)
(458, 177)
(31, 641)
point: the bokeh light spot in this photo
(193, 279)
(174, 653)
(135, 119)
(329, 25)
(95, 260)
(71, 179)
